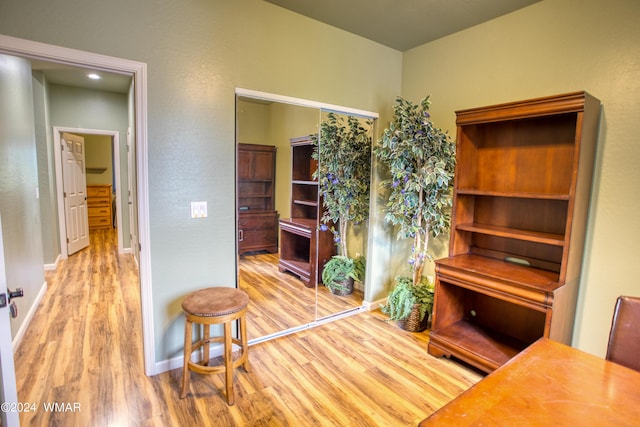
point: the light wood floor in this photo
(280, 301)
(84, 347)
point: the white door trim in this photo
(115, 136)
(47, 52)
(8, 388)
(266, 96)
(133, 233)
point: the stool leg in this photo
(245, 346)
(205, 336)
(187, 357)
(228, 362)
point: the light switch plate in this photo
(198, 209)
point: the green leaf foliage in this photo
(339, 268)
(421, 162)
(405, 295)
(343, 151)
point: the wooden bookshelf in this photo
(304, 248)
(521, 200)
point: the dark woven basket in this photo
(348, 284)
(412, 323)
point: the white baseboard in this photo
(29, 317)
(53, 266)
(177, 362)
(373, 305)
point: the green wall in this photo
(46, 172)
(72, 107)
(553, 47)
(197, 54)
(19, 204)
(98, 158)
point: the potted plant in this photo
(421, 162)
(410, 304)
(341, 272)
(344, 170)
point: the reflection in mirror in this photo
(344, 175)
(279, 301)
(278, 213)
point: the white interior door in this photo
(133, 219)
(75, 192)
(8, 392)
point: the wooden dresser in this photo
(99, 199)
(257, 219)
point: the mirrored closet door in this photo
(281, 246)
(342, 161)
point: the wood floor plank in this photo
(84, 346)
(270, 290)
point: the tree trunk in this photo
(420, 247)
(342, 228)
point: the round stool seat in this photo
(213, 302)
(211, 306)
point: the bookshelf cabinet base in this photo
(298, 248)
(486, 310)
(483, 348)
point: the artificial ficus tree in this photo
(344, 172)
(421, 162)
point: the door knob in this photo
(18, 293)
(6, 298)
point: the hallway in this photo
(84, 345)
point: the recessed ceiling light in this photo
(94, 76)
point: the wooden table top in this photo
(548, 384)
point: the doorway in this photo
(138, 109)
(96, 170)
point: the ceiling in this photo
(67, 75)
(403, 24)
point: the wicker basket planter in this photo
(346, 287)
(412, 323)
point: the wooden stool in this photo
(208, 307)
